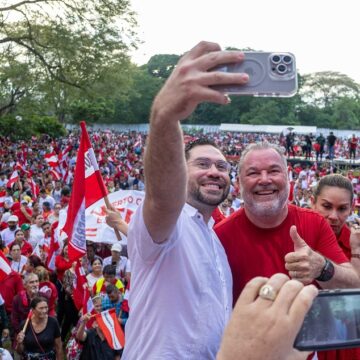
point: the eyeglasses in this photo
(206, 164)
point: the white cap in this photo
(13, 218)
(116, 247)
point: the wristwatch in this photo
(327, 272)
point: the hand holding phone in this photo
(333, 321)
(271, 74)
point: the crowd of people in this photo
(239, 185)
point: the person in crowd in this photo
(46, 228)
(56, 193)
(10, 287)
(4, 321)
(331, 140)
(96, 272)
(114, 300)
(43, 196)
(353, 141)
(22, 211)
(333, 199)
(91, 255)
(18, 261)
(26, 230)
(41, 338)
(71, 316)
(36, 232)
(320, 141)
(47, 288)
(268, 235)
(95, 346)
(109, 277)
(160, 251)
(33, 261)
(25, 247)
(46, 210)
(8, 234)
(54, 216)
(122, 263)
(21, 302)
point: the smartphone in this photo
(271, 74)
(333, 322)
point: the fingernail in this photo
(245, 77)
(227, 99)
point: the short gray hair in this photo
(262, 146)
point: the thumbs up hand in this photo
(303, 264)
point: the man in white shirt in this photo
(8, 234)
(36, 231)
(181, 284)
(123, 269)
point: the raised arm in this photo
(165, 167)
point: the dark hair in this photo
(334, 180)
(36, 300)
(45, 223)
(35, 261)
(96, 258)
(111, 288)
(16, 231)
(14, 244)
(109, 270)
(198, 142)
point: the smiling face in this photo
(334, 203)
(206, 187)
(264, 183)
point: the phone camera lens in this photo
(281, 68)
(276, 59)
(287, 59)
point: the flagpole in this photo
(27, 321)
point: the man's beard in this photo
(266, 208)
(12, 227)
(196, 194)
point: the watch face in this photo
(327, 272)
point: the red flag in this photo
(53, 248)
(21, 167)
(79, 286)
(88, 188)
(55, 174)
(5, 268)
(2, 198)
(52, 159)
(110, 327)
(13, 179)
(34, 187)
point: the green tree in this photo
(66, 42)
(323, 88)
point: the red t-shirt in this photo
(253, 251)
(344, 241)
(217, 215)
(26, 249)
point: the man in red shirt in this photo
(268, 235)
(352, 147)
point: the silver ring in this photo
(267, 292)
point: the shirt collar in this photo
(193, 212)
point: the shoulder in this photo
(303, 213)
(230, 220)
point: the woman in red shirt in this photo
(333, 198)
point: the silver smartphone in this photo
(271, 74)
(333, 322)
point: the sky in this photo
(322, 34)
